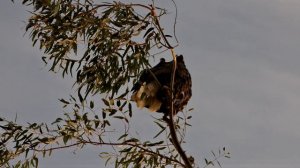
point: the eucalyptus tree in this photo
(104, 47)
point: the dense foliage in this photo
(104, 46)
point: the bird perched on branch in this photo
(153, 89)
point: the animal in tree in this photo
(153, 89)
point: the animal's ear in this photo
(179, 58)
(162, 60)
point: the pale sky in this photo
(244, 59)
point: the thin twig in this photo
(110, 5)
(110, 144)
(175, 21)
(215, 159)
(169, 46)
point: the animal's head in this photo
(180, 61)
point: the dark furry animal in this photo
(153, 89)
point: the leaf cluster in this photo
(110, 35)
(79, 127)
(105, 47)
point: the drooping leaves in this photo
(110, 34)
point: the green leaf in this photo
(191, 109)
(18, 164)
(213, 153)
(66, 138)
(161, 148)
(131, 140)
(26, 152)
(57, 120)
(227, 156)
(71, 68)
(130, 109)
(123, 136)
(44, 140)
(161, 126)
(120, 117)
(107, 160)
(64, 101)
(56, 9)
(91, 104)
(148, 31)
(161, 131)
(125, 150)
(106, 102)
(112, 112)
(80, 96)
(97, 122)
(206, 161)
(103, 114)
(118, 103)
(219, 163)
(156, 143)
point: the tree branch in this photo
(168, 45)
(111, 144)
(170, 121)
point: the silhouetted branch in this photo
(111, 144)
(170, 121)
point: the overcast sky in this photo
(244, 59)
